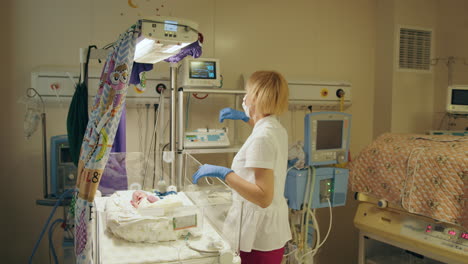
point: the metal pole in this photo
(156, 143)
(173, 122)
(180, 144)
(450, 62)
(161, 137)
(44, 148)
(214, 91)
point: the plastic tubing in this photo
(304, 209)
(311, 192)
(51, 233)
(47, 224)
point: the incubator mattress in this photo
(426, 175)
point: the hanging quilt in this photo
(99, 136)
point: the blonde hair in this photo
(269, 91)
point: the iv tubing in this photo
(47, 223)
(314, 251)
(308, 205)
(304, 206)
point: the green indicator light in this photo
(329, 190)
(328, 183)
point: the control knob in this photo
(340, 157)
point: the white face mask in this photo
(246, 108)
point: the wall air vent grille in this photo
(415, 49)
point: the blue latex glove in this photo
(229, 113)
(208, 170)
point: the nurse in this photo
(258, 171)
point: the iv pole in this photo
(31, 92)
(449, 61)
(173, 181)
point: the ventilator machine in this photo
(318, 182)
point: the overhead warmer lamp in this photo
(163, 37)
(160, 38)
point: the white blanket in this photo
(150, 223)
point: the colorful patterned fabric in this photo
(106, 112)
(99, 136)
(81, 232)
(426, 175)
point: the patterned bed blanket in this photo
(426, 175)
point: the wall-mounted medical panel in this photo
(58, 86)
(320, 95)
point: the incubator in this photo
(180, 227)
(412, 192)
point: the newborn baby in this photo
(140, 197)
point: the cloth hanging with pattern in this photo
(99, 137)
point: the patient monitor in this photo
(457, 99)
(63, 172)
(326, 138)
(201, 72)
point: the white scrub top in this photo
(263, 229)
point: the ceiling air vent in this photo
(415, 49)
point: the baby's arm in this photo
(139, 195)
(136, 198)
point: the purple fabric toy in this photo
(194, 50)
(114, 177)
(137, 69)
(120, 140)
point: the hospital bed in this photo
(211, 199)
(413, 199)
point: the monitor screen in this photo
(65, 156)
(329, 134)
(459, 97)
(203, 70)
(170, 26)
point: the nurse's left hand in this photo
(208, 170)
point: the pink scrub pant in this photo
(262, 257)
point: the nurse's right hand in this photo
(229, 113)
